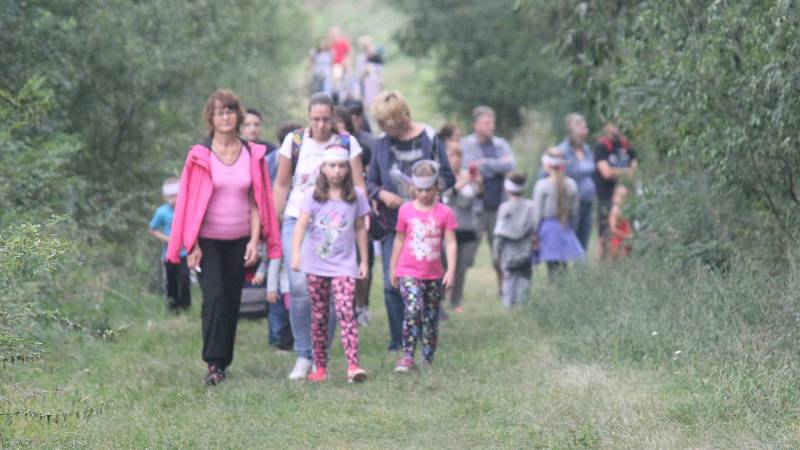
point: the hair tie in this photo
(170, 189)
(552, 161)
(425, 182)
(512, 187)
(335, 153)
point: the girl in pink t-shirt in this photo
(416, 266)
(333, 214)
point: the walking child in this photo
(416, 266)
(618, 226)
(462, 198)
(177, 288)
(555, 212)
(333, 213)
(514, 234)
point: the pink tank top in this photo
(228, 213)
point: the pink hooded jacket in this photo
(195, 193)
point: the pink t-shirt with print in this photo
(421, 257)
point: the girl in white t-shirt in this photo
(299, 159)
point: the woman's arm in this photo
(297, 239)
(397, 247)
(283, 181)
(363, 250)
(251, 251)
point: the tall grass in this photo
(727, 341)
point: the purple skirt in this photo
(558, 242)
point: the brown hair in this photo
(452, 146)
(447, 131)
(285, 129)
(322, 186)
(321, 98)
(227, 99)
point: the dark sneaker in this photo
(215, 376)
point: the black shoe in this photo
(215, 376)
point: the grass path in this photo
(496, 383)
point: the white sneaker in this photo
(301, 368)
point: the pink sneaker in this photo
(318, 376)
(356, 374)
(405, 364)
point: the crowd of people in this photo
(343, 75)
(300, 224)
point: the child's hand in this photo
(257, 279)
(363, 270)
(393, 280)
(272, 297)
(447, 281)
(296, 263)
(193, 259)
(535, 243)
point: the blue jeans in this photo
(278, 322)
(395, 310)
(300, 307)
(584, 228)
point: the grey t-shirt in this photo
(545, 200)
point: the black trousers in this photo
(221, 280)
(178, 287)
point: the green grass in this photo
(578, 367)
(500, 380)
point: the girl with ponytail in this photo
(555, 211)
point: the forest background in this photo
(99, 101)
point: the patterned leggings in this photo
(422, 299)
(319, 289)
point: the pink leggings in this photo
(319, 289)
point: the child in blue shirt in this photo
(177, 289)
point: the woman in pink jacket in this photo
(224, 211)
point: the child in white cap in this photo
(177, 289)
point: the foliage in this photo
(487, 53)
(130, 79)
(716, 86)
(714, 230)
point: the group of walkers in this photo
(311, 209)
(342, 75)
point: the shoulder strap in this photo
(297, 142)
(345, 140)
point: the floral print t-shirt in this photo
(421, 257)
(329, 247)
